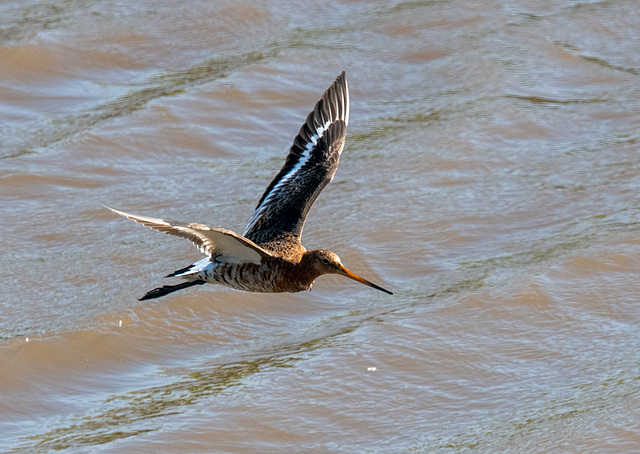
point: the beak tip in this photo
(357, 278)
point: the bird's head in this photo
(327, 262)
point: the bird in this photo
(269, 255)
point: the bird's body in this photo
(272, 274)
(269, 256)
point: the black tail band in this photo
(180, 271)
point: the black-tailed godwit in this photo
(268, 256)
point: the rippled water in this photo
(490, 179)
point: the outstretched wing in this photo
(309, 167)
(220, 244)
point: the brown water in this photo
(491, 179)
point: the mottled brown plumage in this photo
(269, 256)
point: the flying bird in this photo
(269, 256)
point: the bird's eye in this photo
(325, 261)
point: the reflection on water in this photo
(490, 178)
(186, 387)
(138, 408)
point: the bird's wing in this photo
(220, 244)
(309, 167)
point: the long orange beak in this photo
(355, 277)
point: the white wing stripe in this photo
(345, 99)
(289, 176)
(335, 102)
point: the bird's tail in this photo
(166, 289)
(189, 271)
(181, 271)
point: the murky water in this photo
(490, 178)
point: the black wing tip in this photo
(338, 96)
(338, 85)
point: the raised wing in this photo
(309, 167)
(220, 244)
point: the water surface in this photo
(490, 179)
